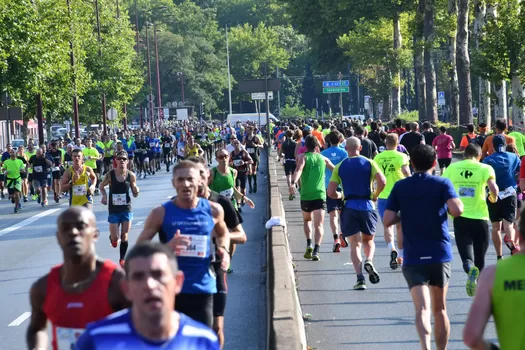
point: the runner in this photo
(412, 138)
(192, 149)
(395, 166)
(120, 181)
(5, 156)
(288, 155)
(40, 166)
(469, 137)
(499, 295)
(252, 144)
(471, 179)
(30, 152)
(488, 146)
(444, 144)
(83, 289)
(167, 144)
(358, 217)
(81, 182)
(310, 169)
(503, 212)
(241, 160)
(22, 155)
(12, 168)
(422, 202)
(187, 222)
(333, 206)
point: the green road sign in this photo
(335, 90)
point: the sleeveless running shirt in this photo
(196, 224)
(192, 152)
(508, 301)
(70, 313)
(119, 198)
(223, 184)
(250, 145)
(312, 177)
(79, 189)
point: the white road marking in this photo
(139, 223)
(28, 221)
(20, 319)
(169, 197)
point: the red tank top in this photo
(70, 313)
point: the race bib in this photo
(167, 145)
(55, 168)
(119, 199)
(467, 192)
(67, 337)
(196, 247)
(250, 150)
(152, 144)
(79, 190)
(237, 162)
(509, 191)
(227, 193)
(38, 169)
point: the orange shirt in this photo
(488, 148)
(465, 140)
(319, 136)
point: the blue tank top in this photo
(195, 260)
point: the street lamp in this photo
(149, 77)
(181, 78)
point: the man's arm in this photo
(299, 168)
(116, 298)
(133, 184)
(152, 225)
(380, 184)
(328, 163)
(222, 235)
(494, 190)
(65, 180)
(455, 207)
(105, 182)
(36, 334)
(405, 170)
(390, 218)
(93, 178)
(480, 310)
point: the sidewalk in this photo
(382, 317)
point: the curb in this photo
(285, 320)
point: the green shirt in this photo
(29, 155)
(390, 163)
(469, 178)
(325, 132)
(312, 177)
(508, 301)
(93, 153)
(13, 167)
(223, 184)
(520, 142)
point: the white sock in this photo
(390, 245)
(400, 252)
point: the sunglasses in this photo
(122, 158)
(222, 156)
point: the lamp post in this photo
(181, 78)
(104, 121)
(149, 77)
(75, 99)
(159, 96)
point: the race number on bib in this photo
(227, 193)
(119, 199)
(167, 145)
(237, 162)
(79, 190)
(67, 337)
(467, 191)
(250, 150)
(152, 144)
(55, 168)
(38, 169)
(509, 191)
(196, 248)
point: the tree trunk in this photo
(463, 63)
(418, 61)
(387, 110)
(500, 108)
(484, 85)
(518, 98)
(430, 72)
(452, 72)
(396, 89)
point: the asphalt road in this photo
(28, 249)
(382, 317)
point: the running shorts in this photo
(503, 209)
(355, 221)
(310, 206)
(196, 306)
(437, 274)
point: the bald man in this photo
(83, 289)
(359, 216)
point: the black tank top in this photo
(236, 157)
(250, 145)
(288, 148)
(119, 199)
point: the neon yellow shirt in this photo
(13, 167)
(469, 178)
(79, 188)
(390, 163)
(520, 142)
(93, 153)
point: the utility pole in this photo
(159, 98)
(73, 80)
(104, 122)
(229, 75)
(340, 77)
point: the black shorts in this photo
(444, 162)
(503, 209)
(196, 306)
(23, 176)
(310, 206)
(30, 177)
(355, 221)
(289, 167)
(2, 177)
(437, 274)
(255, 157)
(219, 298)
(240, 181)
(57, 175)
(166, 151)
(334, 204)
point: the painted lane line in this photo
(139, 223)
(28, 221)
(20, 319)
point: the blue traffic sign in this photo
(336, 83)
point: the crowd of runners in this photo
(88, 299)
(366, 174)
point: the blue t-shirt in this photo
(422, 201)
(130, 148)
(336, 155)
(118, 332)
(195, 261)
(505, 165)
(5, 156)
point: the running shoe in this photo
(291, 197)
(255, 189)
(38, 199)
(17, 210)
(510, 244)
(360, 285)
(316, 256)
(122, 263)
(34, 197)
(114, 244)
(372, 272)
(230, 270)
(337, 246)
(343, 241)
(472, 281)
(309, 251)
(393, 260)
(25, 199)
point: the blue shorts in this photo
(333, 204)
(355, 221)
(381, 207)
(119, 218)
